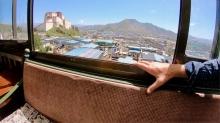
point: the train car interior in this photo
(73, 61)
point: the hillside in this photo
(62, 32)
(132, 27)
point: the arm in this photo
(191, 70)
(200, 73)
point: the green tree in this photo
(38, 42)
(19, 29)
(62, 32)
(48, 48)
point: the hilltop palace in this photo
(54, 19)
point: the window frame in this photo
(14, 19)
(15, 41)
(121, 70)
(216, 40)
(215, 50)
(183, 31)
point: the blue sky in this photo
(5, 11)
(163, 13)
(108, 11)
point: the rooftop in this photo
(77, 38)
(90, 45)
(85, 52)
(153, 57)
(127, 59)
(105, 42)
(134, 51)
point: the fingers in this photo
(146, 62)
(141, 65)
(154, 86)
(144, 67)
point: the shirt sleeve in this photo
(205, 74)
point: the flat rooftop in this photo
(85, 52)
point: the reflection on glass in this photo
(202, 26)
(6, 19)
(6, 31)
(118, 30)
(22, 20)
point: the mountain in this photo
(132, 27)
(5, 28)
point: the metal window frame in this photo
(14, 18)
(216, 40)
(183, 31)
(182, 36)
(180, 51)
(15, 40)
(120, 70)
(15, 45)
(30, 24)
(184, 20)
(10, 45)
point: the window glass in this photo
(6, 19)
(22, 20)
(202, 27)
(219, 53)
(118, 30)
(6, 31)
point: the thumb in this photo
(154, 86)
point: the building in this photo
(107, 46)
(54, 19)
(146, 53)
(134, 52)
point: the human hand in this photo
(163, 72)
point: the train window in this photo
(20, 20)
(202, 27)
(5, 19)
(117, 30)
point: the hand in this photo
(163, 72)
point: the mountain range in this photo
(131, 27)
(136, 29)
